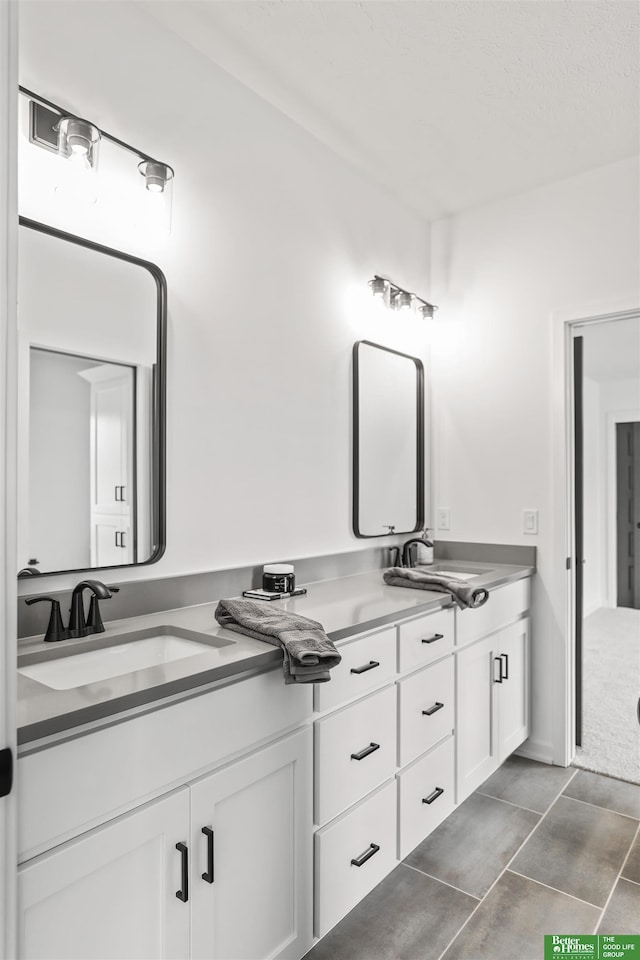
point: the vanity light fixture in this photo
(396, 298)
(157, 176)
(55, 129)
(78, 142)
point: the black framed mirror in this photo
(92, 332)
(388, 441)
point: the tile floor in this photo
(536, 849)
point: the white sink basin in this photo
(92, 666)
(459, 571)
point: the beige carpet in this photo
(611, 687)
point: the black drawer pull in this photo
(183, 894)
(434, 709)
(208, 875)
(499, 678)
(365, 753)
(434, 796)
(368, 666)
(362, 859)
(436, 636)
(505, 657)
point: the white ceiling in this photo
(447, 103)
(612, 351)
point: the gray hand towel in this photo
(308, 652)
(463, 594)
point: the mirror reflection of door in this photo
(628, 514)
(91, 343)
(82, 410)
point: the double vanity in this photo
(178, 800)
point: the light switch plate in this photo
(529, 521)
(444, 518)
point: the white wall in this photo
(500, 275)
(274, 239)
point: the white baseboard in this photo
(539, 750)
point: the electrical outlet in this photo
(444, 518)
(529, 521)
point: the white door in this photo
(111, 893)
(111, 458)
(514, 689)
(252, 856)
(476, 719)
(8, 459)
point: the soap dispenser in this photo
(425, 549)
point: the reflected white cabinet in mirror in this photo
(91, 389)
(388, 441)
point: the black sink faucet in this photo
(78, 626)
(407, 553)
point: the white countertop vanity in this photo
(200, 808)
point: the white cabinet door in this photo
(514, 689)
(476, 715)
(110, 894)
(254, 901)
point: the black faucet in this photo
(407, 558)
(78, 626)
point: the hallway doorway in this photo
(606, 359)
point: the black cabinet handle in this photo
(120, 538)
(434, 796)
(434, 709)
(183, 893)
(362, 859)
(365, 753)
(505, 657)
(436, 636)
(115, 494)
(498, 660)
(368, 666)
(208, 875)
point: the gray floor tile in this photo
(406, 917)
(511, 923)
(578, 849)
(606, 792)
(631, 870)
(471, 848)
(527, 783)
(623, 911)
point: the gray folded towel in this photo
(463, 594)
(308, 652)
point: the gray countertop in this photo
(345, 606)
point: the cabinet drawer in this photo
(505, 604)
(366, 662)
(425, 796)
(425, 709)
(425, 639)
(339, 883)
(366, 729)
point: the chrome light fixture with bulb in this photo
(78, 141)
(396, 298)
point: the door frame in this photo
(613, 418)
(8, 460)
(565, 324)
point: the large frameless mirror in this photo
(91, 403)
(388, 441)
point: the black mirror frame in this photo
(159, 408)
(420, 473)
